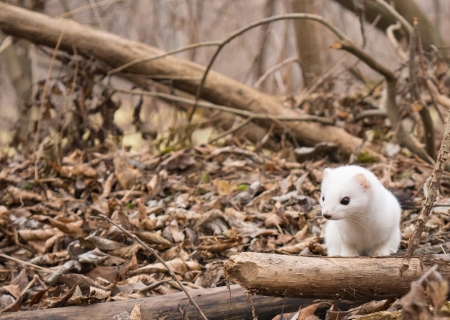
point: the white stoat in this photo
(364, 217)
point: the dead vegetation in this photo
(86, 219)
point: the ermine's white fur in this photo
(369, 224)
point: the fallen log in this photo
(359, 278)
(116, 51)
(216, 303)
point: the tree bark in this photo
(214, 302)
(329, 277)
(308, 46)
(218, 89)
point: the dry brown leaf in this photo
(177, 265)
(210, 276)
(135, 314)
(308, 312)
(125, 174)
(174, 252)
(177, 160)
(177, 235)
(70, 228)
(128, 251)
(437, 293)
(225, 187)
(414, 303)
(152, 238)
(219, 247)
(110, 273)
(83, 169)
(144, 221)
(14, 306)
(99, 294)
(101, 243)
(61, 301)
(12, 289)
(41, 234)
(19, 196)
(272, 220)
(122, 218)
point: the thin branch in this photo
(404, 137)
(152, 251)
(361, 12)
(238, 112)
(87, 7)
(365, 57)
(273, 69)
(390, 34)
(231, 130)
(423, 112)
(28, 264)
(430, 199)
(43, 98)
(6, 43)
(441, 99)
(168, 53)
(370, 114)
(291, 16)
(424, 72)
(306, 92)
(406, 25)
(97, 15)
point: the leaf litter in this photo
(196, 207)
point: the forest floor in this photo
(196, 207)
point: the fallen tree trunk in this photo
(218, 89)
(329, 277)
(216, 303)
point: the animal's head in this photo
(344, 193)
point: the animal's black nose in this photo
(327, 215)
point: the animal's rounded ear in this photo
(363, 181)
(326, 172)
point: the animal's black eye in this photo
(345, 201)
(323, 198)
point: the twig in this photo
(6, 43)
(152, 286)
(41, 107)
(273, 69)
(360, 12)
(168, 53)
(406, 25)
(30, 284)
(430, 198)
(152, 251)
(369, 114)
(26, 263)
(291, 16)
(87, 7)
(425, 276)
(97, 15)
(231, 130)
(213, 106)
(349, 46)
(424, 71)
(423, 112)
(306, 92)
(390, 34)
(403, 136)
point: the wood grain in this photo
(373, 278)
(214, 302)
